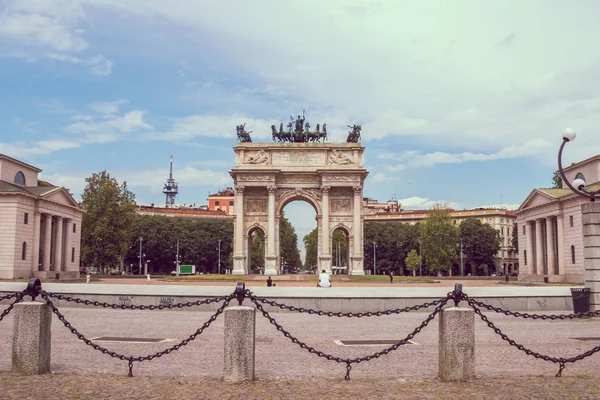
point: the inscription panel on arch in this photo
(299, 158)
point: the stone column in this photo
(529, 248)
(357, 254)
(457, 344)
(539, 252)
(58, 244)
(590, 214)
(270, 257)
(47, 243)
(239, 337)
(239, 267)
(325, 256)
(68, 244)
(31, 338)
(550, 245)
(560, 236)
(37, 231)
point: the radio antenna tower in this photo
(170, 188)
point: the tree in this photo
(311, 248)
(480, 241)
(288, 245)
(514, 243)
(339, 239)
(257, 253)
(413, 261)
(556, 180)
(439, 239)
(106, 226)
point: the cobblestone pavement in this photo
(284, 370)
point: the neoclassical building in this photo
(550, 228)
(41, 225)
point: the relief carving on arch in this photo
(340, 205)
(251, 178)
(298, 179)
(255, 191)
(256, 205)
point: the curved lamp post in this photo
(578, 185)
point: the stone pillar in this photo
(457, 344)
(58, 244)
(37, 231)
(560, 236)
(539, 251)
(239, 267)
(270, 257)
(239, 332)
(68, 245)
(529, 248)
(31, 338)
(590, 215)
(357, 254)
(325, 256)
(47, 243)
(550, 245)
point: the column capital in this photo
(325, 189)
(239, 189)
(357, 189)
(272, 190)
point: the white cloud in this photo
(186, 177)
(100, 65)
(423, 203)
(507, 206)
(380, 177)
(195, 126)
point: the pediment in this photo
(536, 198)
(61, 196)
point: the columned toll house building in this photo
(40, 225)
(550, 229)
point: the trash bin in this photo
(57, 276)
(581, 300)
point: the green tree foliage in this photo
(311, 248)
(257, 252)
(106, 225)
(439, 239)
(413, 261)
(339, 239)
(514, 242)
(198, 243)
(288, 246)
(480, 242)
(556, 180)
(394, 242)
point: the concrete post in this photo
(31, 338)
(590, 218)
(457, 344)
(239, 337)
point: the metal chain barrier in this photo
(131, 359)
(348, 361)
(561, 361)
(134, 307)
(18, 296)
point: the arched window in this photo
(24, 251)
(20, 178)
(73, 255)
(580, 176)
(573, 254)
(525, 255)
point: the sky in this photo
(459, 101)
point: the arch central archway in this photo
(328, 176)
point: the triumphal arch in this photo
(298, 165)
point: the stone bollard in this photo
(457, 344)
(31, 338)
(590, 219)
(240, 327)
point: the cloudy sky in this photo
(460, 101)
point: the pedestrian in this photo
(269, 282)
(324, 280)
(148, 278)
(391, 276)
(87, 278)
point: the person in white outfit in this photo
(324, 279)
(87, 278)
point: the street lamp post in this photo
(578, 185)
(141, 239)
(219, 263)
(462, 264)
(374, 258)
(177, 259)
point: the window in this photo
(502, 220)
(24, 251)
(20, 178)
(217, 203)
(525, 256)
(580, 176)
(26, 218)
(572, 254)
(74, 228)
(570, 220)
(502, 232)
(73, 255)
(490, 220)
(524, 230)
(231, 204)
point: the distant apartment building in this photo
(501, 219)
(41, 225)
(223, 200)
(550, 228)
(182, 212)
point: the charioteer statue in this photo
(299, 132)
(354, 134)
(242, 135)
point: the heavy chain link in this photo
(131, 359)
(18, 296)
(528, 315)
(343, 314)
(134, 307)
(561, 361)
(349, 361)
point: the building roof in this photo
(4, 156)
(228, 192)
(580, 163)
(7, 187)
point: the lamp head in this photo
(569, 135)
(579, 183)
